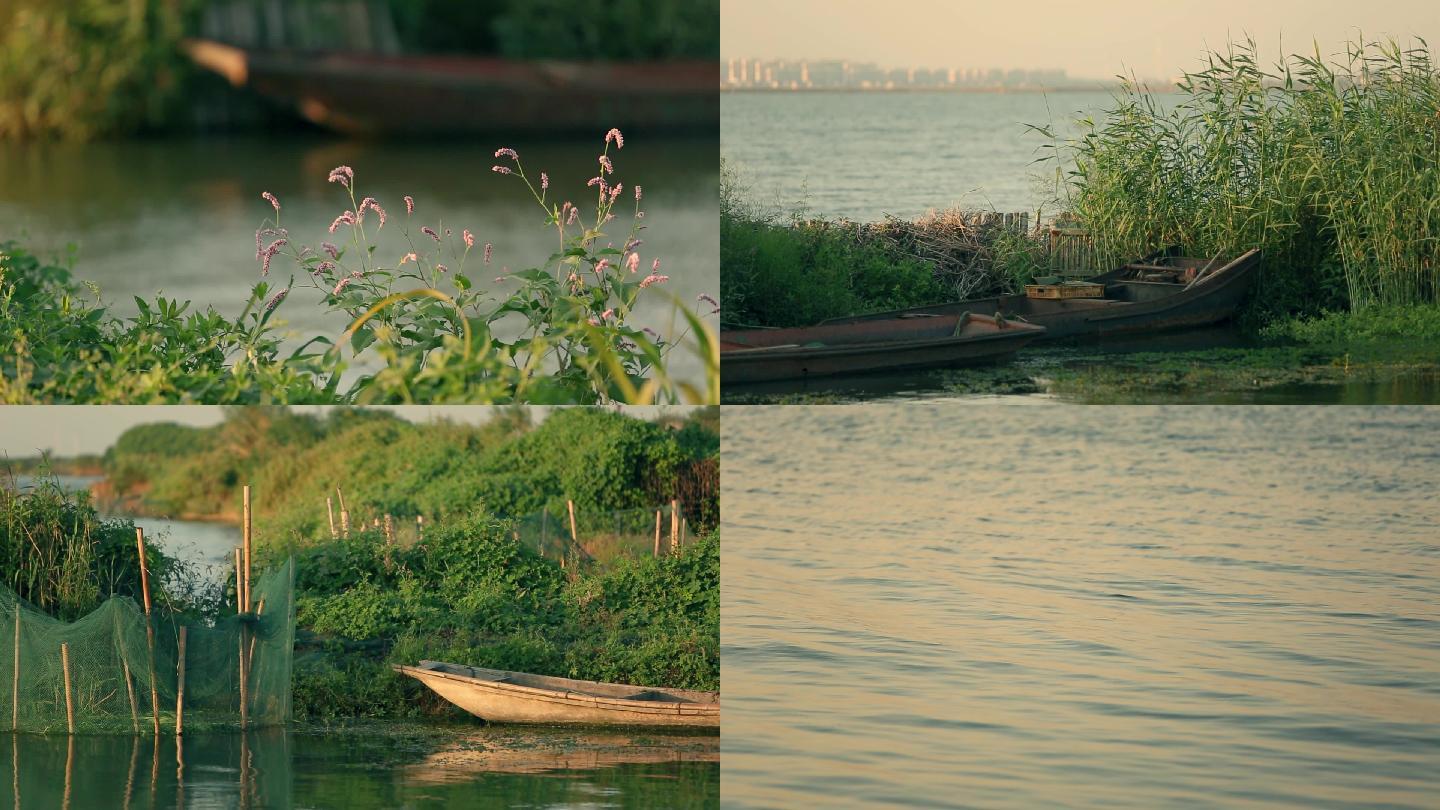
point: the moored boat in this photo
(376, 94)
(1161, 292)
(902, 341)
(500, 696)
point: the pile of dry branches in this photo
(961, 245)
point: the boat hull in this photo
(868, 347)
(1133, 307)
(497, 701)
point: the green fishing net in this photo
(124, 668)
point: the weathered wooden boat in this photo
(905, 340)
(374, 94)
(499, 696)
(1160, 292)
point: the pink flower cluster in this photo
(271, 199)
(269, 253)
(614, 134)
(347, 218)
(369, 202)
(344, 175)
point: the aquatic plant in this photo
(1330, 166)
(431, 325)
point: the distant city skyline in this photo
(1090, 42)
(833, 74)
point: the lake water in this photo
(863, 155)
(179, 217)
(947, 606)
(484, 768)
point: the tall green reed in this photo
(1331, 167)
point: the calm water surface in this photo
(1129, 607)
(179, 217)
(864, 155)
(280, 770)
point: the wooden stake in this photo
(69, 769)
(330, 512)
(344, 523)
(574, 535)
(180, 687)
(657, 532)
(419, 527)
(250, 655)
(15, 687)
(389, 529)
(247, 548)
(674, 525)
(149, 628)
(130, 691)
(240, 610)
(69, 704)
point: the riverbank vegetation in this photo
(468, 589)
(1331, 166)
(436, 324)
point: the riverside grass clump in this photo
(435, 324)
(471, 594)
(783, 268)
(1330, 165)
(63, 557)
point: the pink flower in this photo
(544, 181)
(499, 279)
(633, 244)
(619, 139)
(606, 167)
(269, 253)
(706, 298)
(369, 202)
(469, 239)
(615, 192)
(653, 279)
(343, 175)
(506, 151)
(632, 262)
(488, 247)
(655, 266)
(595, 181)
(331, 249)
(409, 204)
(347, 218)
(442, 268)
(574, 215)
(430, 232)
(271, 198)
(276, 299)
(637, 194)
(606, 315)
(592, 321)
(500, 169)
(601, 265)
(345, 282)
(409, 257)
(324, 266)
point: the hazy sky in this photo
(70, 429)
(1154, 38)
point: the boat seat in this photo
(659, 697)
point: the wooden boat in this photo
(905, 340)
(498, 696)
(374, 94)
(1160, 292)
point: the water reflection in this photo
(504, 768)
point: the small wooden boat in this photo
(498, 696)
(1160, 292)
(901, 341)
(375, 94)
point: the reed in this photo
(1330, 165)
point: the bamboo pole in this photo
(15, 680)
(130, 691)
(240, 610)
(250, 655)
(180, 688)
(130, 774)
(657, 532)
(344, 523)
(69, 771)
(69, 702)
(149, 627)
(674, 525)
(246, 540)
(330, 513)
(574, 535)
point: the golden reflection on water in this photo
(952, 606)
